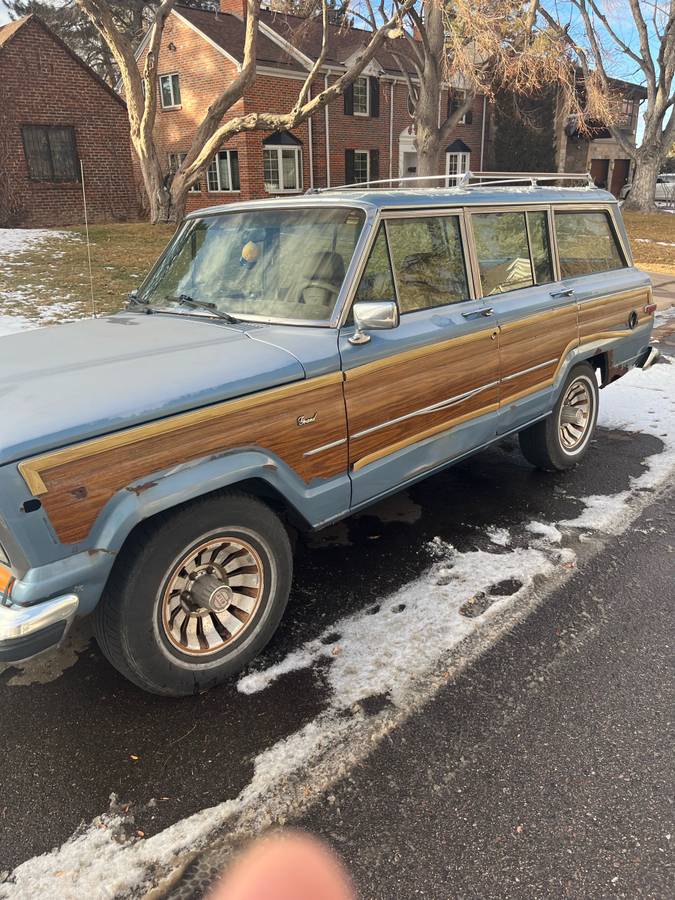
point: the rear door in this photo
(426, 391)
(536, 312)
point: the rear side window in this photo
(586, 243)
(428, 262)
(513, 249)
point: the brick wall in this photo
(41, 84)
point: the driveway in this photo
(390, 611)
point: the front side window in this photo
(503, 252)
(586, 243)
(361, 97)
(282, 169)
(265, 263)
(51, 152)
(428, 262)
(169, 90)
(377, 281)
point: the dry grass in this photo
(50, 282)
(652, 237)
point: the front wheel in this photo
(198, 595)
(562, 439)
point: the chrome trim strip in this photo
(435, 407)
(325, 447)
(549, 362)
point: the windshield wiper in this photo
(187, 300)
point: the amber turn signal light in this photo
(6, 578)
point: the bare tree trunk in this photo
(428, 134)
(159, 198)
(641, 196)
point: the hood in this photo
(66, 383)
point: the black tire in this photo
(547, 444)
(137, 621)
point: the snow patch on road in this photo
(547, 532)
(13, 324)
(499, 536)
(641, 402)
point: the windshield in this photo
(272, 263)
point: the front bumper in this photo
(28, 630)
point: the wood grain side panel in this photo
(382, 394)
(79, 488)
(611, 313)
(536, 339)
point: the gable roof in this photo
(7, 32)
(296, 32)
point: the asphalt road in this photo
(73, 732)
(547, 769)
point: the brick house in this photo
(593, 149)
(55, 112)
(367, 134)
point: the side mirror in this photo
(373, 315)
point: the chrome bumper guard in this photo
(26, 631)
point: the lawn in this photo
(46, 278)
(652, 238)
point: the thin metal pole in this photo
(86, 229)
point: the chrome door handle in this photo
(478, 313)
(566, 293)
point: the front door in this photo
(537, 314)
(427, 391)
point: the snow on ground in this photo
(28, 307)
(18, 240)
(401, 647)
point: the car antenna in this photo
(86, 229)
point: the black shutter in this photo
(468, 116)
(374, 84)
(452, 102)
(374, 165)
(349, 167)
(349, 100)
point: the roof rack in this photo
(466, 180)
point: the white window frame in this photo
(171, 76)
(279, 148)
(365, 114)
(176, 158)
(367, 155)
(214, 167)
(463, 166)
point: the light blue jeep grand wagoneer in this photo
(286, 363)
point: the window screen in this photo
(428, 261)
(586, 243)
(50, 152)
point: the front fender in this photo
(86, 571)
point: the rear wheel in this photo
(198, 596)
(562, 439)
